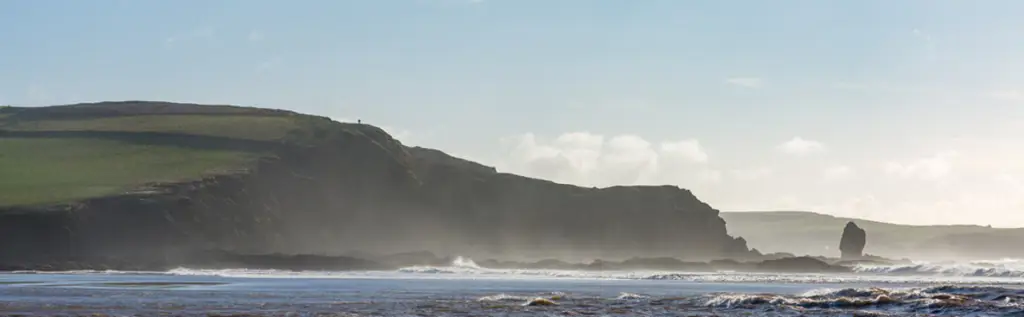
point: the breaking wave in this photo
(1007, 268)
(1000, 272)
(995, 272)
(459, 265)
(949, 298)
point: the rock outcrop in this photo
(853, 241)
(351, 187)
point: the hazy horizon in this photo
(906, 112)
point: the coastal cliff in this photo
(308, 185)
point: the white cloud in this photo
(687, 149)
(799, 146)
(255, 36)
(629, 159)
(929, 168)
(839, 172)
(981, 178)
(589, 159)
(748, 82)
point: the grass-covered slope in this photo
(55, 155)
(153, 180)
(817, 234)
(39, 171)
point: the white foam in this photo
(1007, 268)
(502, 297)
(998, 272)
(465, 263)
(631, 296)
(959, 295)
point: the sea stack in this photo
(853, 241)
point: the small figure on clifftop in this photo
(852, 243)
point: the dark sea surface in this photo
(465, 289)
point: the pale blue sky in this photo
(906, 111)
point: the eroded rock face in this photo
(358, 189)
(852, 243)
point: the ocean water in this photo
(464, 289)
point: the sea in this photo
(990, 288)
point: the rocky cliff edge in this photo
(324, 187)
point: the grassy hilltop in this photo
(280, 181)
(57, 155)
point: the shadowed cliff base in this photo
(424, 260)
(255, 181)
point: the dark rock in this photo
(799, 264)
(418, 258)
(729, 265)
(852, 243)
(663, 263)
(308, 262)
(348, 188)
(852, 263)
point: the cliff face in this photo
(354, 188)
(510, 214)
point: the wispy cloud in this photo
(930, 168)
(686, 149)
(747, 82)
(800, 147)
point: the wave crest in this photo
(976, 269)
(944, 296)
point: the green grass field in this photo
(49, 156)
(264, 128)
(48, 171)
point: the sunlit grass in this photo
(264, 128)
(46, 171)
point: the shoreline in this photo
(215, 260)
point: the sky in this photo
(901, 111)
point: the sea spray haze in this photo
(298, 184)
(511, 158)
(464, 288)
